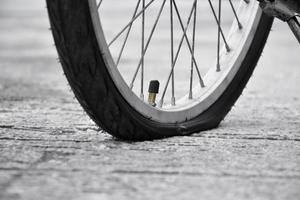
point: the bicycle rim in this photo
(231, 53)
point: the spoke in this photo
(99, 4)
(142, 52)
(133, 20)
(219, 37)
(172, 52)
(176, 57)
(188, 43)
(221, 31)
(127, 34)
(236, 17)
(147, 44)
(193, 48)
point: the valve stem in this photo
(153, 91)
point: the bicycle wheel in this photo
(111, 50)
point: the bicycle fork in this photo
(285, 10)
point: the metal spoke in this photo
(188, 43)
(193, 48)
(235, 15)
(221, 31)
(186, 30)
(219, 37)
(172, 52)
(142, 52)
(147, 44)
(176, 57)
(134, 19)
(99, 4)
(127, 34)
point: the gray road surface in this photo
(49, 149)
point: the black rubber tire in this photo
(92, 85)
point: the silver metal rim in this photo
(216, 82)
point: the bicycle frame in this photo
(285, 10)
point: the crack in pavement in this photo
(46, 155)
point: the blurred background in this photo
(28, 56)
(27, 52)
